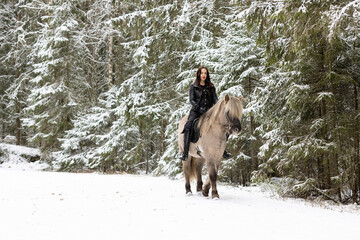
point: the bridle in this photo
(229, 125)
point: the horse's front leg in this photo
(213, 170)
(187, 171)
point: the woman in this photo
(202, 97)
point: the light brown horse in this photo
(224, 117)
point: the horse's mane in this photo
(207, 119)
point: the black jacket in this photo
(202, 97)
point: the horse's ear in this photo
(241, 98)
(227, 98)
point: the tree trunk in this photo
(3, 122)
(161, 141)
(357, 150)
(89, 72)
(111, 46)
(335, 139)
(327, 172)
(18, 124)
(17, 104)
(214, 26)
(254, 160)
(323, 161)
(320, 174)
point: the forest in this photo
(100, 85)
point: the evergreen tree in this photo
(239, 71)
(142, 92)
(104, 84)
(7, 24)
(307, 122)
(59, 76)
(18, 35)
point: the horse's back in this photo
(182, 124)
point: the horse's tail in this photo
(192, 169)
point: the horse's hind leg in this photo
(187, 172)
(212, 170)
(198, 169)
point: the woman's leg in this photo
(186, 132)
(185, 153)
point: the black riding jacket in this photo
(202, 97)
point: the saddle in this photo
(194, 131)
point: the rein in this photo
(228, 124)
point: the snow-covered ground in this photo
(36, 205)
(16, 158)
(50, 205)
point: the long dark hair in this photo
(207, 80)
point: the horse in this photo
(221, 119)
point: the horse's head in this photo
(233, 112)
(227, 112)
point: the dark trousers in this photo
(192, 116)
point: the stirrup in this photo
(183, 157)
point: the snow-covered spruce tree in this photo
(93, 36)
(147, 85)
(58, 76)
(139, 96)
(18, 33)
(7, 25)
(304, 134)
(344, 80)
(202, 23)
(91, 125)
(101, 139)
(239, 71)
(287, 104)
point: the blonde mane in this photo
(233, 105)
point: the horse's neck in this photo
(220, 119)
(218, 126)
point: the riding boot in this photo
(226, 154)
(185, 153)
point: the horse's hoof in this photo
(189, 194)
(215, 196)
(205, 192)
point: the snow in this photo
(339, 14)
(14, 158)
(50, 205)
(20, 149)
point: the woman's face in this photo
(203, 74)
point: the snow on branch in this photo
(340, 14)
